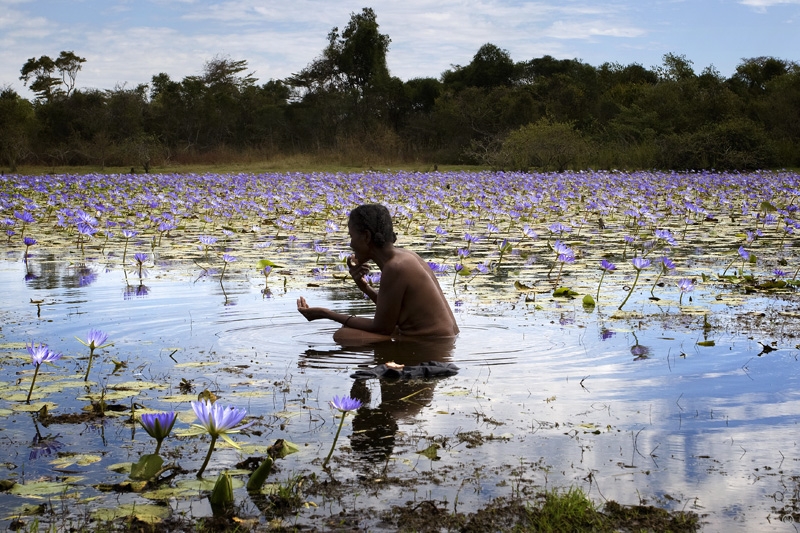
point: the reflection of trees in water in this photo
(49, 272)
(374, 428)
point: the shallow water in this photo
(630, 410)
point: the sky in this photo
(127, 42)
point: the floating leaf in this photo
(522, 287)
(564, 292)
(39, 488)
(196, 364)
(80, 459)
(706, 343)
(138, 385)
(267, 263)
(145, 512)
(430, 452)
(147, 467)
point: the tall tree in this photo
(41, 74)
(353, 60)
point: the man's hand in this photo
(311, 313)
(358, 271)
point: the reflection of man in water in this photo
(374, 428)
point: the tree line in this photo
(344, 106)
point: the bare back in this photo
(424, 311)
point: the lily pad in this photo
(80, 459)
(39, 488)
(148, 513)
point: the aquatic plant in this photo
(140, 259)
(605, 266)
(39, 354)
(158, 426)
(95, 340)
(667, 265)
(28, 242)
(684, 285)
(128, 234)
(639, 263)
(344, 405)
(218, 422)
(226, 258)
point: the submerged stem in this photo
(35, 373)
(630, 291)
(330, 453)
(208, 456)
(88, 368)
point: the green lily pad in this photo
(138, 385)
(147, 512)
(197, 364)
(39, 488)
(147, 467)
(80, 459)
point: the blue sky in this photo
(126, 42)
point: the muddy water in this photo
(548, 394)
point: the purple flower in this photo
(86, 229)
(685, 285)
(561, 248)
(744, 253)
(665, 235)
(345, 403)
(42, 354)
(24, 217)
(438, 268)
(608, 266)
(140, 257)
(640, 263)
(158, 425)
(95, 339)
(129, 233)
(29, 241)
(207, 240)
(217, 421)
(779, 273)
(667, 263)
(558, 227)
(228, 258)
(39, 354)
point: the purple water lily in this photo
(39, 354)
(605, 266)
(639, 263)
(158, 426)
(684, 285)
(219, 422)
(344, 404)
(95, 340)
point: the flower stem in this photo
(35, 373)
(630, 291)
(88, 368)
(341, 423)
(655, 283)
(208, 456)
(599, 284)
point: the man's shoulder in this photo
(404, 261)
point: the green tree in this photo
(490, 67)
(40, 73)
(17, 121)
(544, 145)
